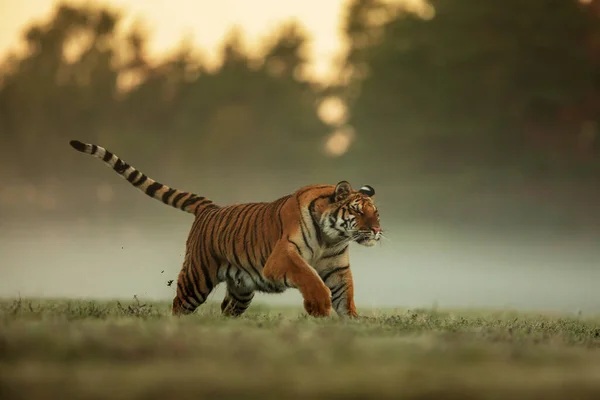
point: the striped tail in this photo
(184, 201)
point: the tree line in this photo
(464, 88)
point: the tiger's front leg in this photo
(339, 280)
(286, 265)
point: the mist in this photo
(419, 265)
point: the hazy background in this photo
(475, 121)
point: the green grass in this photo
(84, 349)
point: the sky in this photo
(205, 22)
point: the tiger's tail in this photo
(184, 201)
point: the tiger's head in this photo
(352, 216)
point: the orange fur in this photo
(298, 241)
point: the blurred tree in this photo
(456, 89)
(64, 84)
(83, 76)
(255, 112)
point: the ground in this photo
(134, 350)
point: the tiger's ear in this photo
(342, 191)
(368, 190)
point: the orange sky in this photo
(205, 21)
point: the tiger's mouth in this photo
(366, 240)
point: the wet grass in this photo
(136, 350)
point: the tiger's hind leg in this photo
(194, 284)
(237, 299)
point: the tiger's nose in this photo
(376, 230)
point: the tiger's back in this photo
(236, 240)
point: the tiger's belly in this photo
(253, 280)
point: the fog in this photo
(419, 266)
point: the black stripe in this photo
(256, 279)
(246, 300)
(243, 232)
(337, 288)
(204, 264)
(202, 203)
(178, 197)
(337, 253)
(306, 241)
(301, 192)
(311, 211)
(207, 279)
(294, 243)
(189, 284)
(212, 217)
(346, 223)
(120, 166)
(166, 195)
(285, 282)
(186, 284)
(234, 231)
(152, 189)
(202, 251)
(241, 265)
(222, 223)
(271, 220)
(233, 296)
(338, 297)
(333, 271)
(181, 288)
(302, 222)
(191, 295)
(257, 244)
(107, 156)
(214, 261)
(184, 303)
(133, 176)
(252, 222)
(183, 295)
(196, 283)
(232, 226)
(239, 307)
(332, 198)
(333, 222)
(94, 149)
(184, 298)
(336, 214)
(142, 179)
(280, 206)
(191, 201)
(189, 309)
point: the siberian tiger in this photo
(298, 241)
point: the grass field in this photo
(92, 350)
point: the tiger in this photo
(299, 241)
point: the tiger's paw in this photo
(319, 304)
(315, 309)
